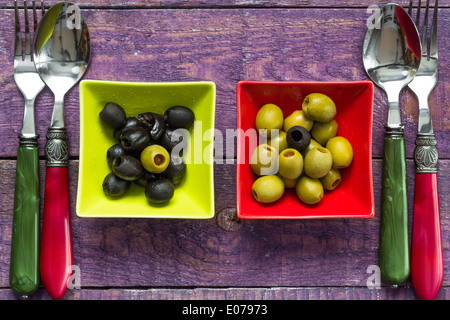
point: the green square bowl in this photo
(194, 197)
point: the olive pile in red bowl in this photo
(147, 152)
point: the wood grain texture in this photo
(223, 41)
(224, 46)
(230, 294)
(121, 4)
(135, 253)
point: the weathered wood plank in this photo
(190, 253)
(230, 294)
(230, 3)
(224, 46)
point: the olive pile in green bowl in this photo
(302, 151)
(145, 151)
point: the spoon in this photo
(391, 57)
(61, 56)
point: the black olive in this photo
(127, 168)
(171, 138)
(130, 123)
(135, 139)
(176, 170)
(154, 123)
(159, 191)
(113, 186)
(298, 138)
(179, 117)
(114, 151)
(113, 115)
(148, 176)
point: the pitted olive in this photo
(179, 117)
(154, 123)
(159, 191)
(341, 151)
(127, 167)
(324, 131)
(135, 139)
(290, 163)
(269, 120)
(318, 162)
(298, 118)
(298, 138)
(319, 107)
(309, 190)
(114, 151)
(176, 170)
(279, 142)
(331, 180)
(172, 138)
(264, 160)
(114, 186)
(155, 158)
(268, 189)
(130, 123)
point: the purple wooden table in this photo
(224, 42)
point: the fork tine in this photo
(34, 16)
(42, 8)
(410, 8)
(418, 14)
(18, 36)
(425, 32)
(27, 32)
(433, 40)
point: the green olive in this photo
(324, 131)
(312, 145)
(155, 158)
(269, 117)
(289, 183)
(298, 118)
(264, 160)
(268, 189)
(341, 151)
(331, 180)
(279, 141)
(290, 163)
(319, 107)
(309, 190)
(318, 162)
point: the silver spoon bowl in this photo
(61, 53)
(61, 56)
(391, 57)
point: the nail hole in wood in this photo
(228, 220)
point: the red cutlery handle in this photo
(427, 267)
(56, 243)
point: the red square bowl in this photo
(353, 198)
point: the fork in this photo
(427, 268)
(24, 274)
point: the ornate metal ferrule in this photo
(56, 148)
(394, 130)
(28, 141)
(426, 154)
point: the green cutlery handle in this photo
(394, 240)
(24, 276)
